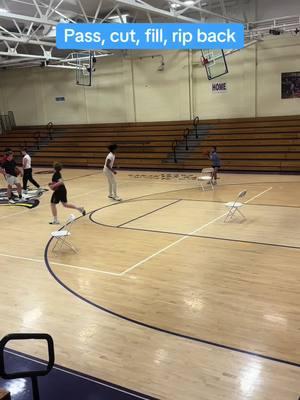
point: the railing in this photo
(50, 128)
(186, 135)
(37, 138)
(27, 374)
(195, 124)
(174, 145)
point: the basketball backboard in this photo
(214, 62)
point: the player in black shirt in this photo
(60, 194)
(10, 171)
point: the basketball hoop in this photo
(84, 68)
(214, 62)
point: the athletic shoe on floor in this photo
(82, 210)
(110, 197)
(116, 198)
(54, 223)
(11, 201)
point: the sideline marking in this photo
(61, 264)
(186, 236)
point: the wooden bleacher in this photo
(146, 144)
(270, 144)
(262, 144)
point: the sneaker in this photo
(110, 197)
(11, 201)
(82, 210)
(116, 198)
(54, 223)
(25, 191)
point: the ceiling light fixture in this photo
(3, 10)
(119, 19)
(175, 5)
(188, 2)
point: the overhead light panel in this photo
(3, 10)
(119, 19)
(188, 2)
(175, 5)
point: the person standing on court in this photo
(109, 172)
(215, 163)
(27, 171)
(10, 171)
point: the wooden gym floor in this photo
(163, 297)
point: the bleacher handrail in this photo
(195, 124)
(186, 133)
(37, 137)
(174, 145)
(50, 129)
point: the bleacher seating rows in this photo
(245, 144)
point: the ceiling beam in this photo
(26, 41)
(146, 7)
(26, 18)
(207, 12)
(27, 56)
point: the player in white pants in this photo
(109, 172)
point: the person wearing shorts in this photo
(10, 171)
(60, 194)
(215, 163)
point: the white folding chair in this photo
(206, 176)
(62, 235)
(235, 206)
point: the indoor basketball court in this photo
(177, 278)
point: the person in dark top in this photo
(10, 171)
(60, 194)
(215, 163)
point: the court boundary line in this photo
(162, 330)
(84, 376)
(216, 201)
(186, 236)
(60, 264)
(182, 233)
(148, 213)
(149, 326)
(199, 236)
